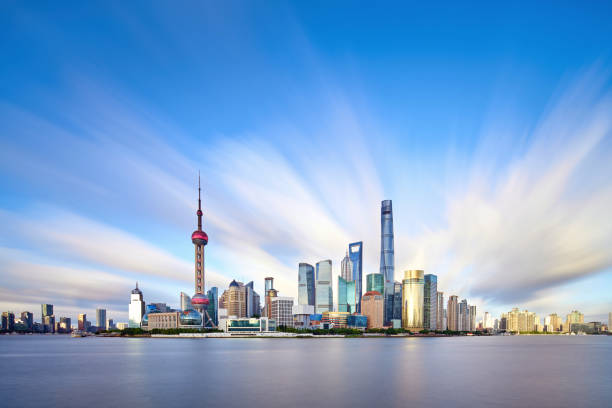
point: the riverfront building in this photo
(387, 257)
(306, 284)
(412, 298)
(452, 313)
(335, 319)
(324, 293)
(282, 311)
(347, 295)
(185, 301)
(440, 317)
(137, 308)
(246, 326)
(101, 319)
(372, 306)
(430, 302)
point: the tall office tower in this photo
(28, 319)
(372, 306)
(101, 319)
(8, 321)
(430, 302)
(270, 293)
(213, 306)
(136, 309)
(249, 294)
(375, 282)
(282, 311)
(324, 292)
(440, 316)
(185, 301)
(306, 284)
(452, 312)
(472, 317)
(397, 301)
(387, 257)
(65, 324)
(346, 268)
(413, 287)
(488, 321)
(574, 317)
(82, 320)
(235, 300)
(356, 256)
(46, 310)
(610, 321)
(464, 316)
(347, 295)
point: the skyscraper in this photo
(306, 284)
(375, 282)
(185, 301)
(28, 319)
(81, 322)
(440, 317)
(397, 301)
(101, 319)
(282, 311)
(356, 257)
(347, 295)
(430, 302)
(46, 310)
(387, 257)
(270, 293)
(412, 299)
(372, 307)
(136, 309)
(464, 316)
(452, 313)
(324, 293)
(213, 306)
(346, 268)
(472, 317)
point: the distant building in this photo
(306, 284)
(356, 257)
(301, 316)
(47, 318)
(270, 293)
(282, 311)
(28, 319)
(375, 282)
(185, 301)
(397, 301)
(161, 307)
(610, 321)
(430, 302)
(101, 319)
(65, 325)
(324, 293)
(452, 313)
(372, 306)
(213, 306)
(346, 268)
(357, 321)
(136, 309)
(335, 319)
(46, 310)
(472, 318)
(122, 326)
(574, 317)
(464, 316)
(347, 295)
(387, 262)
(110, 324)
(413, 288)
(440, 317)
(235, 300)
(488, 321)
(246, 325)
(82, 321)
(8, 321)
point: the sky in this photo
(489, 127)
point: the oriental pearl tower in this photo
(199, 301)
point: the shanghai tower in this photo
(387, 263)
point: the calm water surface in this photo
(542, 371)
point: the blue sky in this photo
(489, 128)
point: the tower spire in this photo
(199, 204)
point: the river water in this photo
(534, 371)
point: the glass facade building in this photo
(357, 322)
(375, 282)
(412, 298)
(347, 295)
(306, 284)
(430, 302)
(387, 257)
(397, 301)
(356, 257)
(324, 293)
(213, 307)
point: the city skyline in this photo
(498, 172)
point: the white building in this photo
(301, 315)
(137, 308)
(282, 311)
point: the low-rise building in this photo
(248, 325)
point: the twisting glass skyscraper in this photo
(306, 285)
(387, 262)
(356, 257)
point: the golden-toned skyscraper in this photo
(413, 287)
